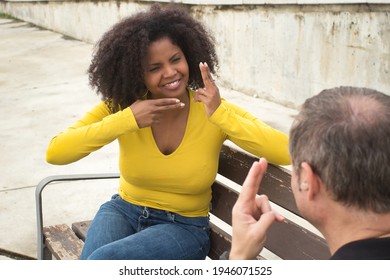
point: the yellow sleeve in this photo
(251, 134)
(95, 129)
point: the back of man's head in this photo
(344, 135)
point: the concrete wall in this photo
(284, 53)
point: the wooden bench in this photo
(294, 239)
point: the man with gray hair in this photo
(340, 149)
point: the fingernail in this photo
(182, 105)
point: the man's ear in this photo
(308, 181)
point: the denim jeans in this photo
(123, 231)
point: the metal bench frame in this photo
(48, 182)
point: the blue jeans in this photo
(123, 231)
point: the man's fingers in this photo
(263, 204)
(253, 180)
(265, 221)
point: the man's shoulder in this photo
(365, 249)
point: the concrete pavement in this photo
(44, 89)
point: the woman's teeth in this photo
(172, 84)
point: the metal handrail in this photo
(59, 178)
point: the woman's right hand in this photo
(148, 112)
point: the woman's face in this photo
(167, 70)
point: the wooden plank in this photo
(81, 229)
(220, 242)
(62, 242)
(222, 202)
(292, 242)
(276, 184)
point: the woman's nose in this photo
(169, 71)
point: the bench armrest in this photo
(59, 178)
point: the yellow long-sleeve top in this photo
(179, 182)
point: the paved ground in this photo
(44, 89)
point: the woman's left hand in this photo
(209, 95)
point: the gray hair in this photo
(344, 135)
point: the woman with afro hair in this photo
(153, 71)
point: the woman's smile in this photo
(173, 85)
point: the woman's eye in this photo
(154, 69)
